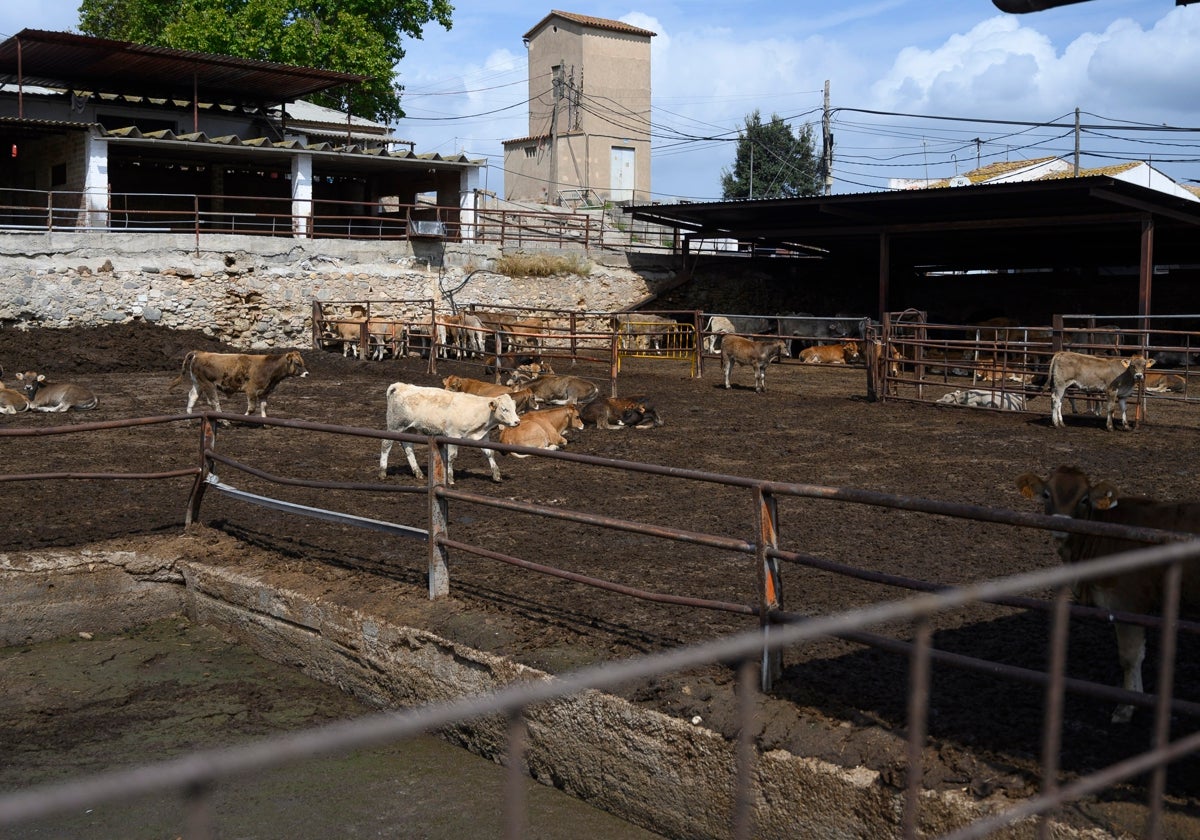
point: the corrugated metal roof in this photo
(63, 59)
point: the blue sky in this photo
(1121, 62)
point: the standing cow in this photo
(756, 354)
(436, 411)
(1068, 491)
(1116, 378)
(253, 374)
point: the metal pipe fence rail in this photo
(761, 649)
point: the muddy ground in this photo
(838, 701)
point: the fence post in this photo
(770, 594)
(208, 438)
(439, 518)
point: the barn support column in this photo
(95, 184)
(302, 194)
(1146, 272)
(885, 273)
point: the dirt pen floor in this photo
(838, 702)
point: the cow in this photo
(1175, 358)
(523, 398)
(254, 374)
(756, 354)
(436, 411)
(44, 395)
(807, 330)
(346, 333)
(465, 333)
(843, 353)
(11, 400)
(978, 398)
(1069, 492)
(1115, 377)
(542, 429)
(561, 389)
(719, 326)
(621, 412)
(643, 330)
(1161, 383)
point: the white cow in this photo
(436, 411)
(1116, 378)
(979, 398)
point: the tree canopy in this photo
(772, 162)
(349, 36)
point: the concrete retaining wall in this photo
(653, 770)
(257, 292)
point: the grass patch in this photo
(542, 265)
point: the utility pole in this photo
(1076, 142)
(556, 96)
(826, 145)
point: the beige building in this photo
(589, 114)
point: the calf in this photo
(543, 429)
(979, 398)
(756, 354)
(254, 375)
(1069, 492)
(620, 412)
(562, 389)
(11, 401)
(436, 411)
(522, 397)
(843, 353)
(43, 395)
(1116, 378)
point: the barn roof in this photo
(99, 65)
(1094, 220)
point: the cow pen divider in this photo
(778, 628)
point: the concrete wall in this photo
(257, 292)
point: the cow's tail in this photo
(186, 368)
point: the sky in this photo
(918, 88)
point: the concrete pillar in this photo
(95, 184)
(302, 192)
(468, 199)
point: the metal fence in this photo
(760, 651)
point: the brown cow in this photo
(542, 429)
(11, 401)
(522, 397)
(620, 412)
(43, 395)
(1115, 377)
(254, 375)
(757, 354)
(561, 389)
(1069, 492)
(842, 353)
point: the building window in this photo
(58, 175)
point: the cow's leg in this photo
(728, 365)
(1131, 651)
(491, 459)
(412, 459)
(385, 449)
(193, 395)
(760, 377)
(1056, 398)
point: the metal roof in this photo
(1096, 219)
(63, 59)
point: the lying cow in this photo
(522, 397)
(542, 429)
(44, 395)
(978, 398)
(1116, 378)
(842, 353)
(620, 412)
(561, 389)
(11, 401)
(1069, 492)
(436, 411)
(253, 374)
(756, 354)
(1161, 383)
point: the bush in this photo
(542, 265)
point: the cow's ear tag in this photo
(1104, 496)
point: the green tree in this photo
(349, 36)
(772, 162)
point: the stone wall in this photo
(258, 292)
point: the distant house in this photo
(100, 134)
(1050, 168)
(589, 114)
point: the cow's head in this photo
(504, 410)
(574, 421)
(1138, 365)
(31, 381)
(295, 364)
(452, 383)
(1068, 492)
